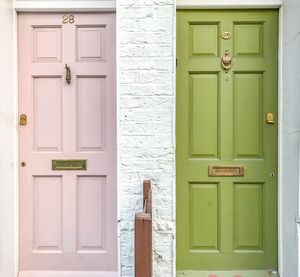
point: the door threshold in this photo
(67, 274)
(234, 273)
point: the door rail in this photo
(143, 235)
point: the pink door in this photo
(68, 196)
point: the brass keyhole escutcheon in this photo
(23, 164)
(226, 61)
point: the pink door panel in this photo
(68, 218)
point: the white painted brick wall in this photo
(146, 125)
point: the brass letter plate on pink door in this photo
(225, 170)
(68, 164)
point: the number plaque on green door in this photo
(226, 147)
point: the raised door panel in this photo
(47, 113)
(204, 217)
(47, 218)
(47, 44)
(91, 214)
(204, 38)
(90, 113)
(204, 115)
(248, 38)
(249, 120)
(91, 43)
(249, 217)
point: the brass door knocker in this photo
(68, 74)
(226, 61)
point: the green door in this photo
(226, 141)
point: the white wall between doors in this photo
(146, 93)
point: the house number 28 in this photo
(68, 19)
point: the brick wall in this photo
(146, 124)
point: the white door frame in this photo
(254, 4)
(51, 6)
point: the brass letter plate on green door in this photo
(225, 170)
(68, 164)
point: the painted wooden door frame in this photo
(51, 6)
(252, 4)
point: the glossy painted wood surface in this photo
(68, 219)
(226, 223)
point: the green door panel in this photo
(226, 223)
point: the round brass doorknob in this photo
(23, 164)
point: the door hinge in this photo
(176, 62)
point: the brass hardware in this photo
(68, 19)
(225, 170)
(68, 74)
(23, 119)
(69, 165)
(23, 164)
(270, 118)
(226, 61)
(226, 35)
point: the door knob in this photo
(226, 61)
(68, 74)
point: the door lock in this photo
(270, 118)
(23, 119)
